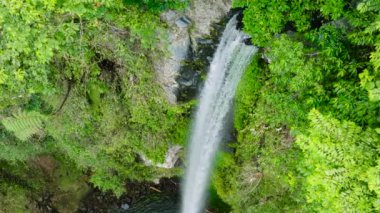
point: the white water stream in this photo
(230, 60)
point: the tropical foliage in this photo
(80, 104)
(307, 110)
(77, 84)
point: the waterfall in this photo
(230, 60)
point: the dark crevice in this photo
(108, 68)
(194, 69)
(317, 20)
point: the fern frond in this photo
(24, 124)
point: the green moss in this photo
(13, 198)
(247, 93)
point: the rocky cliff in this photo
(185, 30)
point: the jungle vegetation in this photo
(307, 111)
(79, 102)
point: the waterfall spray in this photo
(230, 60)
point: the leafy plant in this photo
(318, 62)
(24, 124)
(339, 163)
(81, 74)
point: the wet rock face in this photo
(167, 67)
(204, 14)
(188, 31)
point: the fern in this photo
(24, 124)
(340, 165)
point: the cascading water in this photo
(230, 60)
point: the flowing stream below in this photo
(230, 60)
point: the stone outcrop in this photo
(168, 66)
(204, 13)
(185, 30)
(171, 158)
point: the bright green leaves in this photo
(223, 177)
(24, 124)
(368, 22)
(43, 39)
(338, 163)
(264, 19)
(374, 94)
(289, 67)
(3, 77)
(44, 48)
(330, 38)
(145, 32)
(371, 85)
(372, 177)
(27, 49)
(332, 8)
(158, 5)
(95, 90)
(107, 182)
(293, 78)
(371, 82)
(317, 56)
(90, 61)
(246, 94)
(368, 5)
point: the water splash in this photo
(230, 60)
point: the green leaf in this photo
(24, 124)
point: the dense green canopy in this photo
(308, 112)
(77, 85)
(79, 103)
